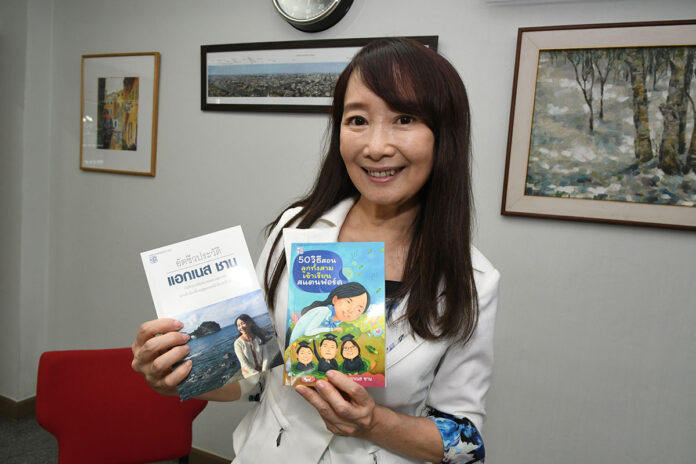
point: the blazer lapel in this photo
(399, 340)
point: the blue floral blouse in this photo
(460, 438)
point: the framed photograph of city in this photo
(118, 119)
(602, 124)
(296, 76)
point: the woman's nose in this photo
(380, 143)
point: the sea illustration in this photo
(615, 124)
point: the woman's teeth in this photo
(388, 173)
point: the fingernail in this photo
(321, 384)
(178, 324)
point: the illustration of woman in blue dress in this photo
(345, 303)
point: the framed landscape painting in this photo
(118, 123)
(602, 124)
(296, 76)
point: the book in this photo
(209, 283)
(335, 317)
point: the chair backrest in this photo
(101, 411)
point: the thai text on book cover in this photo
(335, 317)
(210, 285)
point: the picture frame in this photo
(291, 76)
(118, 113)
(592, 133)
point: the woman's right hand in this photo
(159, 345)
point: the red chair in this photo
(101, 411)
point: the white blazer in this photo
(449, 377)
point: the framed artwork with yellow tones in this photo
(118, 120)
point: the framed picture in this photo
(296, 76)
(118, 124)
(602, 124)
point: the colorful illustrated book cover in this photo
(210, 285)
(335, 312)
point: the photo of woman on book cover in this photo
(251, 347)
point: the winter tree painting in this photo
(615, 124)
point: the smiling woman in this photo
(397, 170)
(388, 154)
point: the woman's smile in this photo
(388, 154)
(382, 174)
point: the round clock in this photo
(312, 15)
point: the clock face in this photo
(305, 10)
(312, 15)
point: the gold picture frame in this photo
(118, 113)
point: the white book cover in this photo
(209, 283)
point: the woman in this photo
(396, 171)
(344, 303)
(250, 347)
(350, 352)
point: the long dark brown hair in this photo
(253, 328)
(438, 271)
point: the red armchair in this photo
(100, 410)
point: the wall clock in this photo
(312, 15)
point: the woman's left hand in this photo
(346, 407)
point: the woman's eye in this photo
(405, 119)
(357, 120)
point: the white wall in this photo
(594, 345)
(13, 24)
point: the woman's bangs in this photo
(394, 83)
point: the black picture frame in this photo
(302, 57)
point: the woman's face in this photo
(388, 155)
(349, 350)
(350, 308)
(242, 327)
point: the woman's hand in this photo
(157, 347)
(349, 410)
(346, 407)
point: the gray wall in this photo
(594, 345)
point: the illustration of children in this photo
(345, 303)
(305, 356)
(327, 353)
(350, 351)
